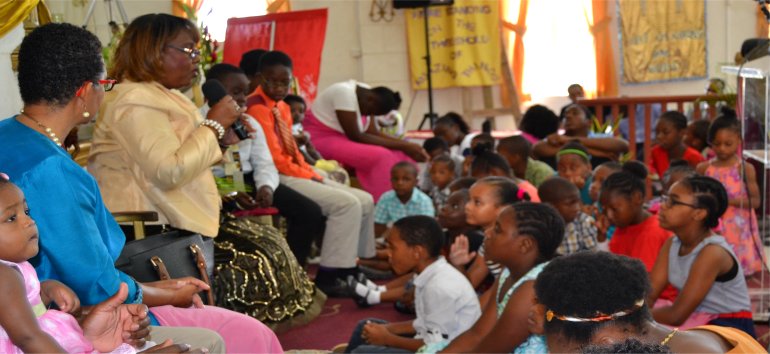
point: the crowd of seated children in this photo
(518, 151)
(405, 199)
(601, 298)
(445, 303)
(700, 264)
(580, 229)
(524, 238)
(670, 146)
(739, 222)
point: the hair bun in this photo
(397, 98)
(728, 112)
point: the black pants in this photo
(305, 222)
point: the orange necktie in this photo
(287, 139)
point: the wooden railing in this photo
(678, 103)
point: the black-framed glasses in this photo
(669, 203)
(107, 84)
(192, 53)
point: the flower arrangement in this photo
(209, 47)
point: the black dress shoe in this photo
(339, 288)
(360, 300)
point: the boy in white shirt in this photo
(445, 302)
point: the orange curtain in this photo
(606, 75)
(178, 10)
(517, 62)
(276, 6)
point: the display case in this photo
(753, 109)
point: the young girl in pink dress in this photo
(27, 323)
(739, 222)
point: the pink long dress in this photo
(60, 325)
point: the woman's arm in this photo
(181, 292)
(609, 145)
(17, 318)
(712, 261)
(511, 329)
(659, 273)
(469, 339)
(349, 122)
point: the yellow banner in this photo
(663, 40)
(464, 44)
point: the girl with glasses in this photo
(700, 264)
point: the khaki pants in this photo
(195, 337)
(349, 219)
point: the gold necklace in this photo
(669, 336)
(47, 130)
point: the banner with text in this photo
(663, 40)
(464, 44)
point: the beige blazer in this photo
(149, 153)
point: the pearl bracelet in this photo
(218, 127)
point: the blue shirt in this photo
(390, 209)
(79, 238)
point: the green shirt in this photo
(537, 172)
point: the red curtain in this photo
(300, 34)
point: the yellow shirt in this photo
(149, 153)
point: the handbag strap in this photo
(160, 268)
(200, 262)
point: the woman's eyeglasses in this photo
(107, 84)
(192, 53)
(669, 203)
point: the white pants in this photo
(349, 219)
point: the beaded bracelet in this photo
(218, 127)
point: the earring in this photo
(86, 114)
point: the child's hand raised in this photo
(602, 224)
(58, 293)
(458, 252)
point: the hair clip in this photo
(5, 176)
(520, 194)
(550, 315)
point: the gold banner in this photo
(464, 44)
(663, 40)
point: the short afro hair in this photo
(445, 159)
(55, 60)
(275, 58)
(435, 143)
(543, 223)
(421, 230)
(250, 61)
(590, 284)
(462, 183)
(515, 145)
(484, 163)
(404, 164)
(539, 121)
(222, 70)
(289, 99)
(630, 346)
(555, 189)
(709, 195)
(676, 118)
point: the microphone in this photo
(214, 91)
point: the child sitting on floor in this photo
(574, 165)
(579, 231)
(403, 200)
(637, 232)
(599, 298)
(442, 173)
(524, 239)
(517, 150)
(445, 302)
(698, 262)
(488, 163)
(669, 135)
(27, 322)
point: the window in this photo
(214, 14)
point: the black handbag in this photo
(165, 256)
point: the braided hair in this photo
(485, 161)
(453, 119)
(709, 195)
(590, 284)
(543, 223)
(628, 181)
(506, 191)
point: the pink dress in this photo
(59, 325)
(739, 225)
